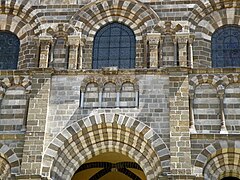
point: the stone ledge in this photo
(216, 136)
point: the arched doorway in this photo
(108, 166)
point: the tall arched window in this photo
(226, 47)
(9, 50)
(114, 45)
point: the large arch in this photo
(139, 17)
(218, 159)
(101, 133)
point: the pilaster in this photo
(180, 146)
(154, 40)
(36, 122)
(74, 43)
(45, 42)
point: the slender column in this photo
(136, 98)
(80, 53)
(153, 40)
(45, 42)
(222, 115)
(82, 99)
(118, 99)
(26, 112)
(190, 55)
(160, 53)
(100, 98)
(73, 42)
(191, 113)
(175, 51)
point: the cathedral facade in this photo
(119, 89)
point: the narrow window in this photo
(114, 45)
(9, 50)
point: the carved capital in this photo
(183, 38)
(45, 40)
(74, 40)
(153, 38)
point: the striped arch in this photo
(136, 15)
(101, 133)
(11, 160)
(203, 78)
(222, 166)
(19, 17)
(101, 80)
(219, 82)
(24, 81)
(214, 14)
(224, 151)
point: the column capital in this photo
(183, 37)
(45, 39)
(153, 38)
(74, 40)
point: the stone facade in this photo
(173, 114)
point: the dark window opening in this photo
(9, 50)
(226, 47)
(114, 45)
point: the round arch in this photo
(215, 153)
(100, 133)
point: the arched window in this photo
(226, 47)
(9, 50)
(114, 45)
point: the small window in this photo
(114, 45)
(9, 50)
(226, 47)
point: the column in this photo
(190, 51)
(191, 113)
(45, 42)
(222, 115)
(73, 42)
(153, 40)
(80, 53)
(175, 44)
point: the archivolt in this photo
(136, 15)
(101, 133)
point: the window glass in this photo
(114, 45)
(226, 47)
(9, 50)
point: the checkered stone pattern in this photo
(206, 17)
(137, 16)
(218, 158)
(10, 160)
(101, 133)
